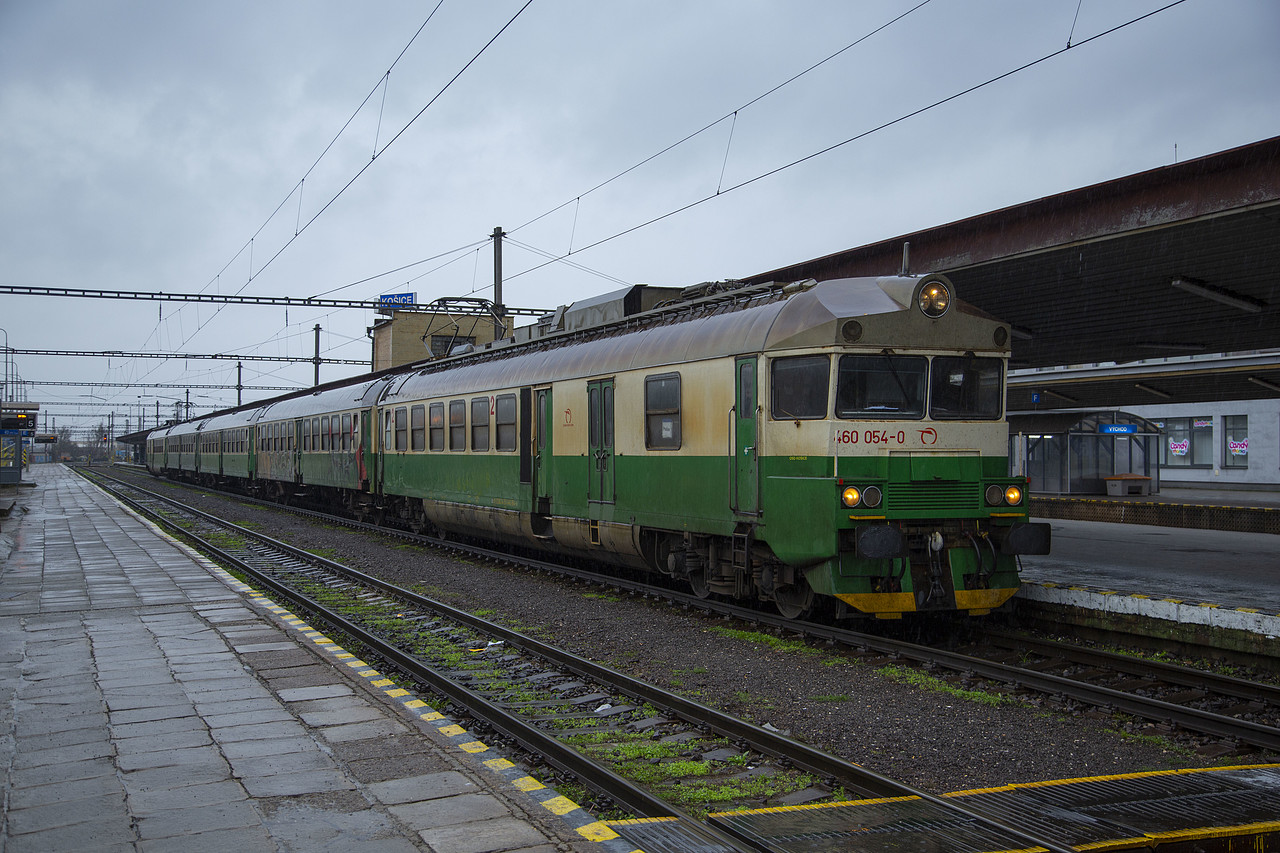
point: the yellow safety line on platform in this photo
(583, 823)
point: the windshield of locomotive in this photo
(881, 386)
(966, 388)
(889, 386)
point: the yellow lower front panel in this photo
(880, 602)
(982, 599)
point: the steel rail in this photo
(1224, 685)
(765, 741)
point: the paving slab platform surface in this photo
(147, 703)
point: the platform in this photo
(1242, 511)
(150, 702)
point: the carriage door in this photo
(540, 447)
(746, 467)
(600, 441)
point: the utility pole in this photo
(240, 380)
(498, 310)
(316, 360)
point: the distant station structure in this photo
(17, 435)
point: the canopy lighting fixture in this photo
(1063, 397)
(1220, 295)
(1020, 334)
(1150, 390)
(1270, 386)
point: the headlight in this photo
(871, 496)
(994, 495)
(935, 298)
(851, 497)
(1013, 495)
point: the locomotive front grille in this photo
(932, 497)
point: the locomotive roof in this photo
(807, 314)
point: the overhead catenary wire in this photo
(858, 136)
(732, 114)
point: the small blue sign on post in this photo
(1035, 396)
(1117, 429)
(398, 299)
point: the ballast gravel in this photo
(937, 742)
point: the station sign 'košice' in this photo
(398, 299)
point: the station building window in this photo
(1188, 442)
(437, 426)
(662, 412)
(442, 345)
(1235, 441)
(504, 418)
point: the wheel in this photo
(698, 583)
(794, 601)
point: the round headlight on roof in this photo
(934, 297)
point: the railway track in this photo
(1227, 714)
(582, 719)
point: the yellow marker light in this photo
(851, 497)
(1013, 495)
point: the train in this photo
(837, 445)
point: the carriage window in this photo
(662, 412)
(457, 424)
(324, 433)
(480, 423)
(418, 427)
(346, 431)
(315, 433)
(437, 426)
(799, 387)
(402, 428)
(881, 386)
(504, 418)
(966, 388)
(306, 435)
(386, 430)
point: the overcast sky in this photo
(163, 146)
